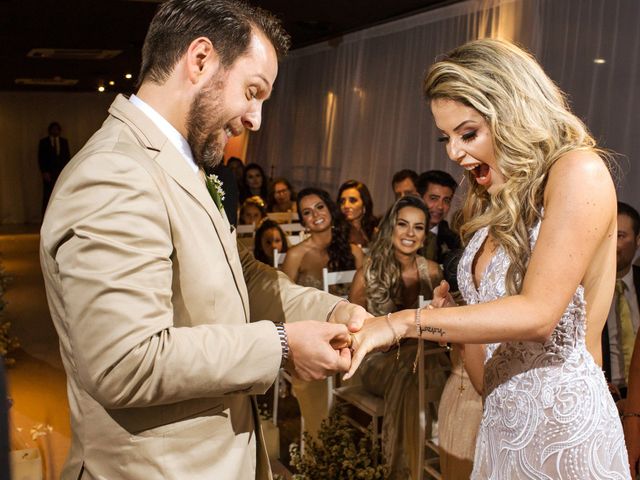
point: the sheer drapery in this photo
(24, 118)
(353, 107)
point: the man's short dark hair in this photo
(53, 125)
(438, 177)
(227, 23)
(403, 175)
(632, 213)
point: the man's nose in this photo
(252, 119)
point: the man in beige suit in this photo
(158, 313)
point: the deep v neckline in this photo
(484, 236)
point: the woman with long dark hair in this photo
(327, 246)
(254, 183)
(356, 207)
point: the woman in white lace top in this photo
(537, 273)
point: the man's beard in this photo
(204, 124)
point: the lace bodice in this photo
(547, 410)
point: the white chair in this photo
(280, 217)
(294, 239)
(290, 228)
(278, 258)
(246, 229)
(335, 278)
(328, 279)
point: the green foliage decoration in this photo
(340, 453)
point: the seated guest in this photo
(619, 333)
(281, 196)
(437, 189)
(326, 246)
(252, 211)
(269, 236)
(356, 206)
(254, 183)
(237, 167)
(404, 183)
(393, 277)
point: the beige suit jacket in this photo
(152, 303)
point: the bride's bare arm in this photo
(579, 218)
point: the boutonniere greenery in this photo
(214, 185)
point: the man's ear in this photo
(202, 60)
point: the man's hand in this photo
(349, 314)
(442, 297)
(317, 349)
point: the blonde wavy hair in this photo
(382, 272)
(532, 127)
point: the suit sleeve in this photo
(275, 297)
(109, 241)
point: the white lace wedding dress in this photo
(547, 411)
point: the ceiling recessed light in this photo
(599, 61)
(112, 83)
(101, 89)
(128, 76)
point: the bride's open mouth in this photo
(482, 174)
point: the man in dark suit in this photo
(53, 155)
(437, 189)
(618, 335)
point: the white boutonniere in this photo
(214, 185)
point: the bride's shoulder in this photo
(585, 165)
(580, 174)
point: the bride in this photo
(537, 273)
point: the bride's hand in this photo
(442, 297)
(376, 334)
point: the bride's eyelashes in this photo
(466, 137)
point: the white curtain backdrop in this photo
(353, 107)
(24, 118)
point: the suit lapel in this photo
(171, 161)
